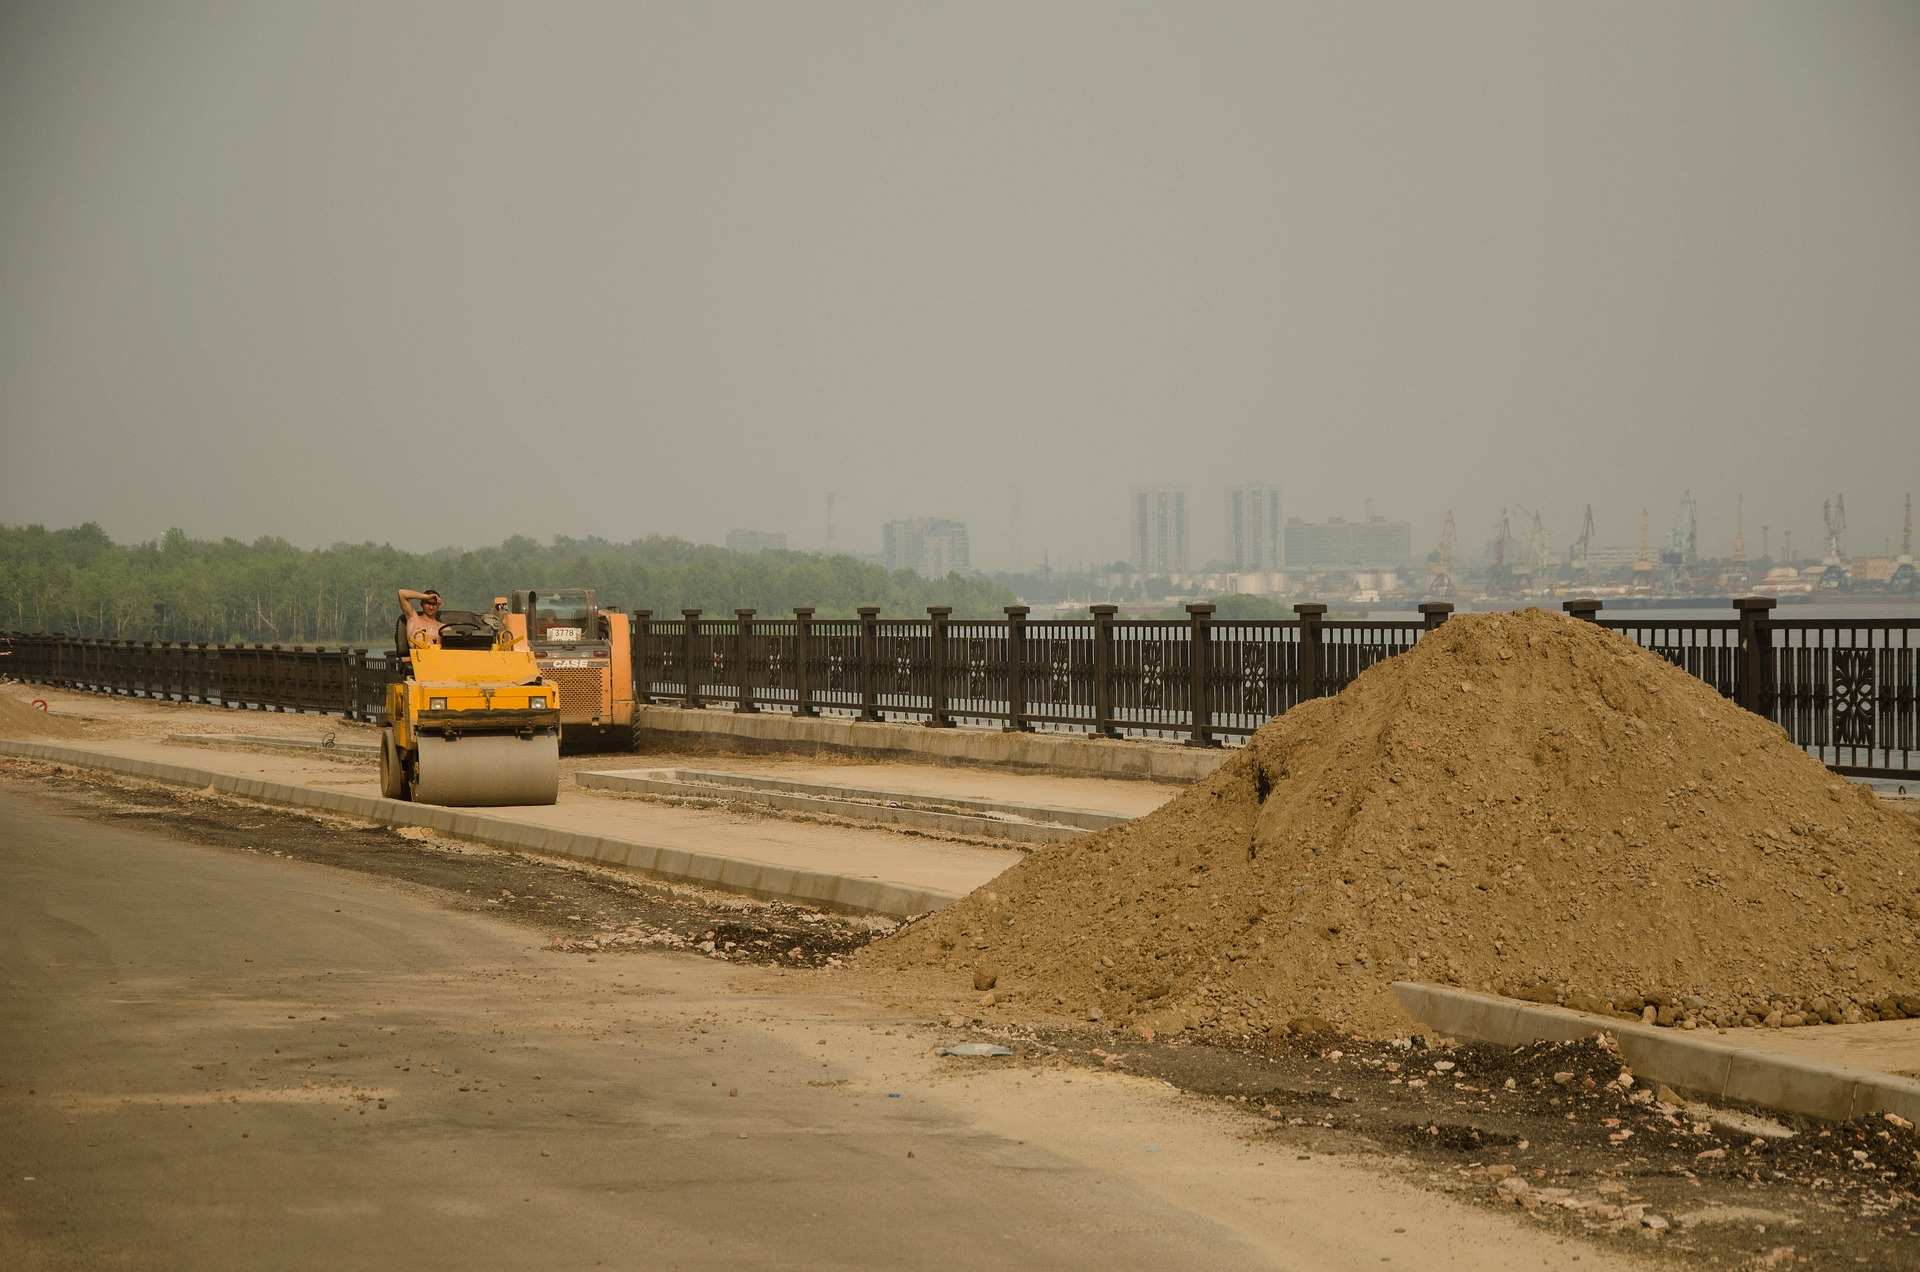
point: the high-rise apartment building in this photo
(1253, 527)
(1159, 530)
(1373, 544)
(930, 546)
(757, 540)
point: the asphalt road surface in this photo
(213, 1059)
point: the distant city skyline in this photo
(1443, 257)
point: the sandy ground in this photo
(219, 1059)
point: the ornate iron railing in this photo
(335, 681)
(1847, 690)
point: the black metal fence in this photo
(1845, 689)
(336, 681)
(1848, 690)
(1195, 678)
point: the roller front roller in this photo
(486, 771)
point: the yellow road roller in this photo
(473, 723)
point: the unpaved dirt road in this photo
(213, 1058)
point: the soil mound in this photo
(20, 719)
(1524, 803)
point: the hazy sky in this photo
(441, 272)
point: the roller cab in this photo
(472, 726)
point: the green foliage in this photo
(78, 581)
(1241, 606)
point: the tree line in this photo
(78, 581)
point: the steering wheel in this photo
(463, 627)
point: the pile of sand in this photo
(21, 720)
(1525, 804)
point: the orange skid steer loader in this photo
(588, 652)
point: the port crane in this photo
(1500, 577)
(1440, 573)
(1643, 564)
(1683, 545)
(1539, 552)
(1683, 541)
(1577, 555)
(1738, 574)
(1904, 579)
(1833, 572)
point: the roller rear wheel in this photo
(393, 774)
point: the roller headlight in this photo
(436, 704)
(538, 702)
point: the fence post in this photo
(1200, 673)
(1586, 609)
(937, 674)
(688, 636)
(742, 642)
(1756, 653)
(1434, 613)
(869, 663)
(802, 661)
(1310, 614)
(642, 636)
(1103, 670)
(1017, 669)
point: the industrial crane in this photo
(1539, 552)
(1440, 573)
(1643, 564)
(1833, 573)
(1577, 555)
(1904, 579)
(1737, 576)
(1683, 545)
(1500, 577)
(1683, 541)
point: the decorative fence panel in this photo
(1847, 691)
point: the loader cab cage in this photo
(560, 616)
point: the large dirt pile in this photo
(1524, 803)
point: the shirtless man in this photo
(423, 625)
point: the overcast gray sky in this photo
(441, 272)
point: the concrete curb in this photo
(732, 874)
(1680, 1059)
(849, 802)
(255, 741)
(1076, 754)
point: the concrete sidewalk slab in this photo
(1718, 1066)
(945, 783)
(872, 871)
(1059, 753)
(1015, 823)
